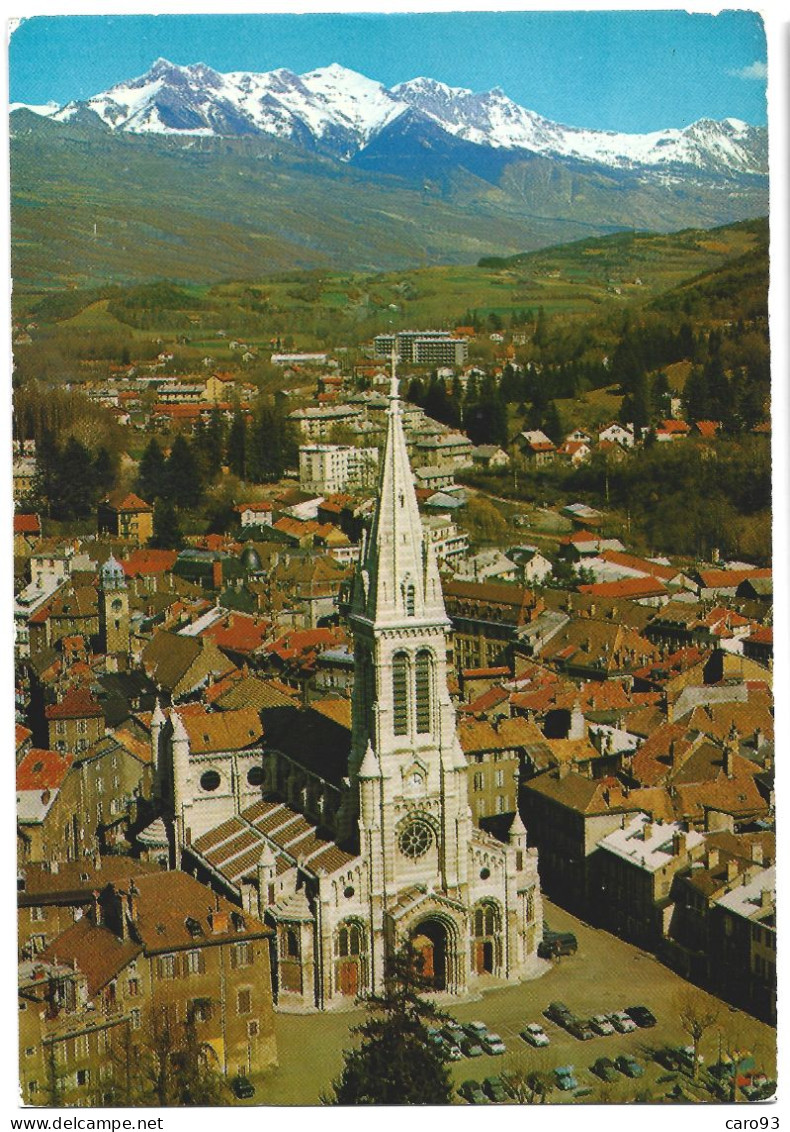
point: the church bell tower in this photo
(407, 770)
(114, 625)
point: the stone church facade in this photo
(348, 853)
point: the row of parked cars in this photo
(472, 1039)
(600, 1025)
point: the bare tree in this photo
(527, 1085)
(697, 1013)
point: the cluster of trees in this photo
(688, 498)
(70, 479)
(480, 410)
(166, 1066)
(257, 450)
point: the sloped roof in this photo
(77, 703)
(221, 730)
(126, 501)
(42, 769)
(166, 900)
(96, 951)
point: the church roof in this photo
(309, 738)
(234, 847)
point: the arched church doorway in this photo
(350, 958)
(430, 941)
(486, 945)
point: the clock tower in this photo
(114, 625)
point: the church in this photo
(348, 849)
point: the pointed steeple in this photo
(398, 578)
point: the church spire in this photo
(398, 579)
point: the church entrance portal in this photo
(430, 942)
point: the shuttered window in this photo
(400, 693)
(422, 688)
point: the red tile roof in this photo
(144, 563)
(120, 501)
(626, 587)
(78, 703)
(26, 524)
(42, 770)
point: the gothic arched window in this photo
(423, 678)
(400, 693)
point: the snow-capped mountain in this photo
(493, 119)
(342, 112)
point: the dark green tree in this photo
(104, 470)
(151, 472)
(73, 494)
(167, 528)
(395, 1062)
(183, 479)
(237, 446)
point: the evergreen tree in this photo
(272, 446)
(183, 481)
(396, 1063)
(237, 446)
(73, 493)
(151, 472)
(167, 533)
(104, 471)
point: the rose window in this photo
(415, 840)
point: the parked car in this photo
(629, 1065)
(495, 1089)
(535, 1034)
(451, 1051)
(604, 1068)
(474, 1029)
(557, 943)
(581, 1030)
(243, 1088)
(472, 1093)
(641, 1015)
(453, 1033)
(622, 1023)
(492, 1043)
(601, 1025)
(668, 1058)
(558, 1012)
(470, 1047)
(565, 1079)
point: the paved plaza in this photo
(606, 974)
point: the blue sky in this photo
(628, 70)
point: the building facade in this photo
(403, 860)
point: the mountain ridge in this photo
(341, 111)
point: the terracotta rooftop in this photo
(77, 703)
(42, 770)
(95, 951)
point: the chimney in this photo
(679, 844)
(218, 922)
(757, 852)
(766, 898)
(563, 770)
(711, 858)
(732, 870)
(647, 830)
